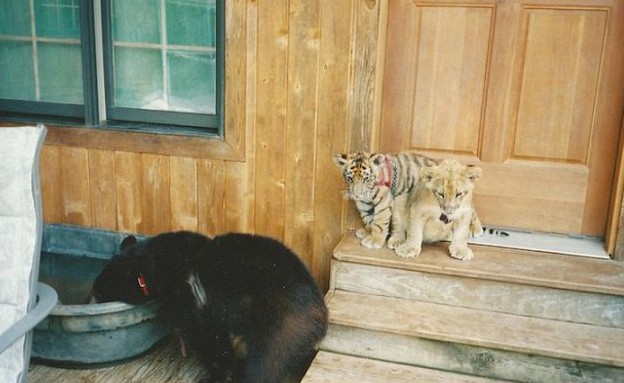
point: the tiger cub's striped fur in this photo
(380, 185)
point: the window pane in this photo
(15, 17)
(191, 22)
(58, 18)
(164, 59)
(191, 74)
(60, 73)
(17, 80)
(138, 78)
(43, 63)
(136, 21)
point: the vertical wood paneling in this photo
(211, 196)
(129, 186)
(51, 188)
(302, 80)
(239, 176)
(156, 188)
(272, 74)
(363, 79)
(240, 197)
(103, 188)
(301, 121)
(331, 132)
(237, 28)
(183, 193)
(75, 184)
(363, 93)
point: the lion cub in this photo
(442, 209)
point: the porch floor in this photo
(162, 364)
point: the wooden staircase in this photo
(506, 315)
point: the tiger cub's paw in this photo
(372, 241)
(395, 241)
(361, 232)
(406, 250)
(460, 252)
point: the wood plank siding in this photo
(302, 83)
(304, 80)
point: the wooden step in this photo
(592, 344)
(330, 367)
(471, 341)
(483, 294)
(505, 265)
(465, 359)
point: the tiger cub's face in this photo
(451, 183)
(361, 172)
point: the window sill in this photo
(231, 148)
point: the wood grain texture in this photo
(239, 213)
(331, 367)
(482, 294)
(300, 154)
(51, 189)
(211, 197)
(331, 132)
(291, 67)
(164, 364)
(505, 265)
(304, 81)
(512, 83)
(183, 195)
(271, 113)
(453, 59)
(362, 102)
(129, 191)
(102, 188)
(75, 185)
(471, 360)
(156, 207)
(556, 339)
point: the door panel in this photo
(452, 63)
(533, 92)
(563, 51)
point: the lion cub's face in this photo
(451, 183)
(360, 171)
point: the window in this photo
(154, 65)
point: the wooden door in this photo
(530, 90)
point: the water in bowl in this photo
(71, 276)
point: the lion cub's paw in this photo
(476, 229)
(395, 241)
(407, 251)
(460, 252)
(361, 232)
(372, 241)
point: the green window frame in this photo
(154, 66)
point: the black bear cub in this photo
(246, 304)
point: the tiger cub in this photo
(442, 209)
(380, 185)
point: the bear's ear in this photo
(128, 242)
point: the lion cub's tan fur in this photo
(442, 209)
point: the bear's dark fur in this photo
(246, 304)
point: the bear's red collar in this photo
(143, 285)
